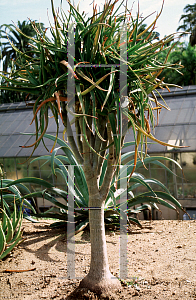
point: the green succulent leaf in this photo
(2, 240)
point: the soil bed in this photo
(161, 263)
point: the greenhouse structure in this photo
(176, 126)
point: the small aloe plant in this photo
(10, 230)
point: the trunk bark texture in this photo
(99, 279)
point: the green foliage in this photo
(189, 22)
(189, 18)
(112, 209)
(12, 60)
(154, 35)
(97, 41)
(12, 39)
(10, 228)
(183, 55)
(9, 96)
(16, 193)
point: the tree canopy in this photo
(11, 40)
(189, 22)
(183, 56)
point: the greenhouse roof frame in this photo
(177, 126)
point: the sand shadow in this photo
(52, 237)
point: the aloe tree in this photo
(102, 111)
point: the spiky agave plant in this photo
(102, 119)
(60, 166)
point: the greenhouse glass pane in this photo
(170, 117)
(47, 175)
(33, 169)
(190, 130)
(59, 180)
(2, 168)
(189, 190)
(184, 115)
(171, 188)
(9, 168)
(179, 176)
(189, 103)
(180, 192)
(189, 167)
(46, 172)
(21, 167)
(189, 174)
(188, 160)
(159, 174)
(140, 190)
(143, 171)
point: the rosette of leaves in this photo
(10, 230)
(135, 204)
(13, 207)
(97, 41)
(14, 192)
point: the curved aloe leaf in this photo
(9, 249)
(18, 234)
(33, 180)
(135, 221)
(9, 227)
(2, 240)
(148, 198)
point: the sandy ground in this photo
(161, 263)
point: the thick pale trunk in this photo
(99, 261)
(99, 279)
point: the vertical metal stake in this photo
(71, 58)
(123, 223)
(123, 123)
(70, 226)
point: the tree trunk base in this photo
(104, 285)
